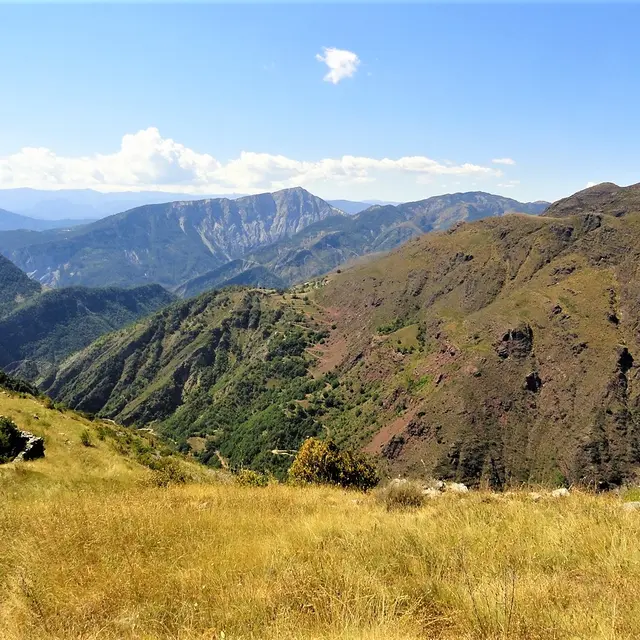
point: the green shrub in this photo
(168, 471)
(85, 438)
(17, 384)
(250, 478)
(392, 327)
(322, 462)
(10, 440)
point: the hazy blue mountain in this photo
(163, 243)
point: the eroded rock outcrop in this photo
(516, 343)
(18, 445)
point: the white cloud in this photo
(342, 63)
(509, 161)
(146, 160)
(591, 184)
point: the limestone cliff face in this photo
(170, 243)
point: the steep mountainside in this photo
(15, 286)
(335, 241)
(230, 369)
(46, 329)
(10, 221)
(165, 243)
(504, 350)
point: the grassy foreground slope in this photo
(92, 548)
(81, 454)
(223, 561)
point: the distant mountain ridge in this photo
(269, 240)
(335, 241)
(164, 243)
(88, 204)
(77, 204)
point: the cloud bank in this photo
(146, 160)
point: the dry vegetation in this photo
(113, 557)
(280, 562)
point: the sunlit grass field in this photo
(114, 557)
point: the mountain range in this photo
(501, 350)
(268, 240)
(83, 203)
(166, 243)
(337, 240)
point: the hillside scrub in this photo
(10, 439)
(322, 462)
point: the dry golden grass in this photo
(116, 559)
(281, 562)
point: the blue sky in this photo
(232, 98)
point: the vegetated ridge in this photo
(48, 327)
(230, 369)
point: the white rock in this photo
(560, 493)
(457, 487)
(431, 493)
(535, 496)
(631, 506)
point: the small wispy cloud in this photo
(342, 63)
(591, 184)
(509, 161)
(510, 184)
